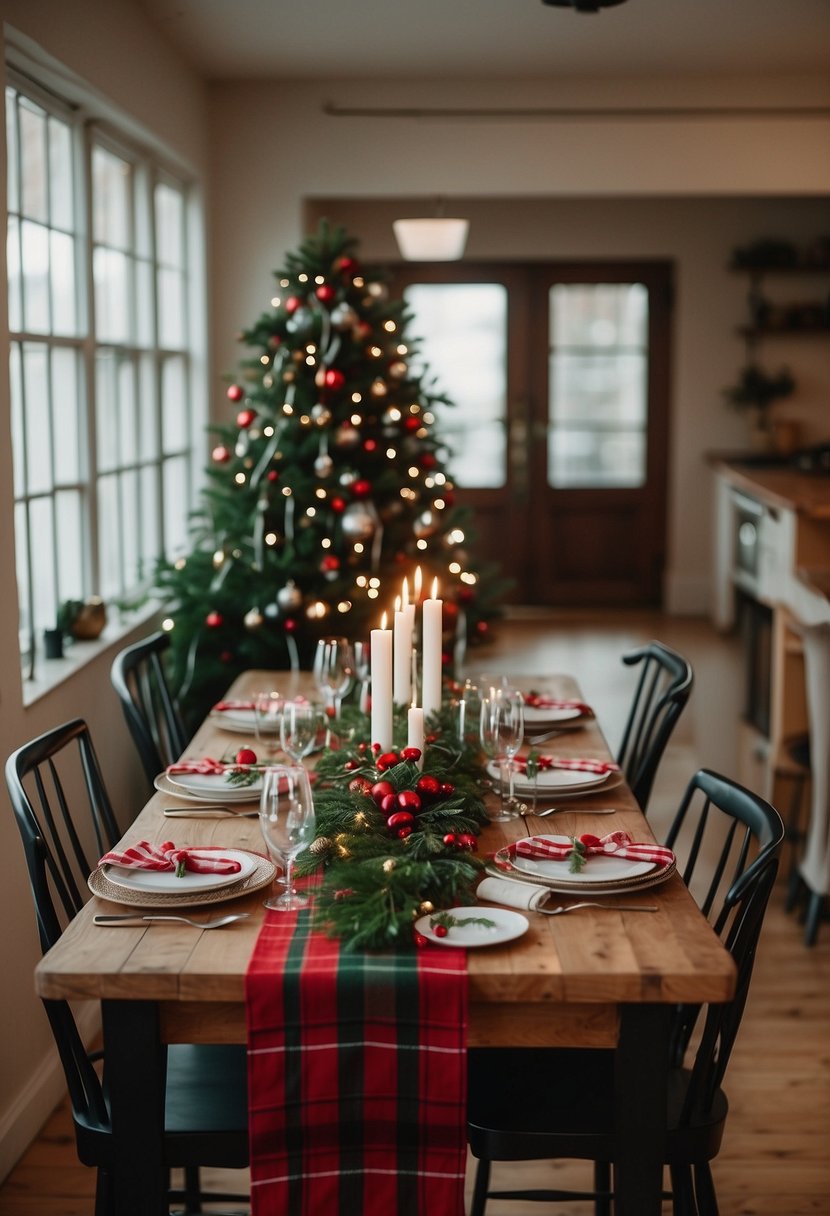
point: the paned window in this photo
(101, 362)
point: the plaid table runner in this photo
(356, 1077)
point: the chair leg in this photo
(602, 1188)
(815, 906)
(104, 1205)
(707, 1200)
(192, 1189)
(683, 1195)
(482, 1184)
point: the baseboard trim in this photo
(24, 1118)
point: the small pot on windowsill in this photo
(53, 643)
(83, 620)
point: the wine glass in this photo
(501, 733)
(267, 716)
(286, 817)
(362, 671)
(334, 670)
(299, 724)
(468, 712)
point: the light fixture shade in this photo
(431, 240)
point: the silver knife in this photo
(208, 812)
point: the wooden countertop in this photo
(778, 485)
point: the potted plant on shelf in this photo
(756, 391)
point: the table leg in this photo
(136, 1062)
(641, 1072)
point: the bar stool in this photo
(814, 867)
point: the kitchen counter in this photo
(778, 485)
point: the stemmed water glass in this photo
(298, 729)
(362, 671)
(501, 733)
(334, 671)
(268, 708)
(286, 817)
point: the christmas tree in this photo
(326, 489)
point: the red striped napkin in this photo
(615, 844)
(356, 1076)
(220, 706)
(205, 765)
(570, 762)
(537, 700)
(146, 856)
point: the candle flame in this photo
(405, 594)
(383, 621)
(417, 581)
(397, 603)
(435, 588)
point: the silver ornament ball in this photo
(358, 523)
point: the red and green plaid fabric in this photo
(356, 1076)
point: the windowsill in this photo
(50, 673)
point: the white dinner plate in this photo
(552, 780)
(215, 786)
(506, 925)
(219, 792)
(165, 882)
(597, 868)
(541, 715)
(239, 721)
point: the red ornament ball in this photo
(246, 755)
(245, 417)
(330, 562)
(275, 341)
(345, 265)
(450, 839)
(408, 800)
(290, 625)
(325, 293)
(361, 488)
(292, 304)
(380, 789)
(467, 841)
(420, 940)
(386, 761)
(411, 423)
(220, 454)
(400, 819)
(214, 619)
(334, 378)
(440, 930)
(411, 753)
(428, 786)
(403, 832)
(447, 790)
(350, 765)
(370, 445)
(388, 803)
(337, 504)
(428, 461)
(235, 393)
(273, 475)
(482, 628)
(360, 785)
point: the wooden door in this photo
(560, 374)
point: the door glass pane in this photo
(462, 340)
(60, 175)
(111, 189)
(66, 421)
(34, 175)
(64, 296)
(598, 385)
(69, 545)
(36, 408)
(44, 591)
(35, 277)
(173, 413)
(111, 271)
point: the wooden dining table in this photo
(592, 979)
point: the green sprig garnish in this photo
(181, 869)
(532, 764)
(447, 921)
(578, 856)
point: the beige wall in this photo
(111, 46)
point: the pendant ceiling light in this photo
(434, 238)
(583, 6)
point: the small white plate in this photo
(552, 780)
(219, 792)
(216, 786)
(538, 715)
(238, 721)
(165, 882)
(506, 926)
(597, 868)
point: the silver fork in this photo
(136, 918)
(529, 812)
(590, 904)
(543, 738)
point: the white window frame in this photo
(150, 168)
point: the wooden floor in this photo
(775, 1160)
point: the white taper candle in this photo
(381, 676)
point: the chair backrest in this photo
(63, 812)
(727, 841)
(150, 709)
(663, 688)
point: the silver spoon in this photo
(125, 918)
(590, 904)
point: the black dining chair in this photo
(66, 823)
(533, 1104)
(663, 687)
(153, 719)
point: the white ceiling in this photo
(307, 39)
